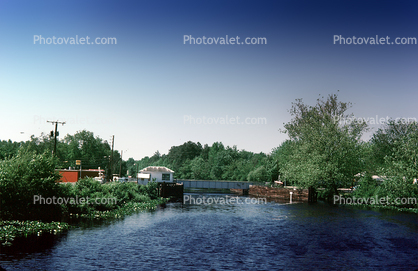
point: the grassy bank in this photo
(100, 202)
(381, 195)
(9, 230)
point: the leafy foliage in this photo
(367, 187)
(116, 195)
(325, 153)
(258, 175)
(8, 148)
(400, 162)
(216, 162)
(21, 178)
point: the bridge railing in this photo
(215, 184)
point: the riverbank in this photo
(302, 195)
(10, 230)
(279, 193)
(126, 199)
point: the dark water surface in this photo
(270, 236)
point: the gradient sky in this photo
(141, 89)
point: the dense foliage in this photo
(399, 143)
(325, 153)
(106, 197)
(27, 177)
(100, 201)
(93, 152)
(217, 162)
(24, 176)
(189, 160)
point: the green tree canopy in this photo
(92, 151)
(399, 141)
(326, 153)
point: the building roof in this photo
(156, 169)
(143, 176)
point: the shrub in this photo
(366, 187)
(21, 178)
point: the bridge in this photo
(175, 190)
(214, 184)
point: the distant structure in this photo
(73, 175)
(161, 174)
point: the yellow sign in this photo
(77, 162)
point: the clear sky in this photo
(147, 89)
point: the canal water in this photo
(235, 235)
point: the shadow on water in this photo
(33, 244)
(23, 246)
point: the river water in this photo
(234, 236)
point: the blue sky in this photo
(142, 88)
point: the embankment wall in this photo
(279, 193)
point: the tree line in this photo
(216, 162)
(321, 152)
(189, 161)
(91, 150)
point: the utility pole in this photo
(111, 159)
(55, 134)
(120, 166)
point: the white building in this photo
(160, 174)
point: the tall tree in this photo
(399, 142)
(92, 151)
(327, 152)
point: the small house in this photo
(160, 174)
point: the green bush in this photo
(23, 177)
(28, 174)
(397, 187)
(150, 189)
(366, 187)
(124, 193)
